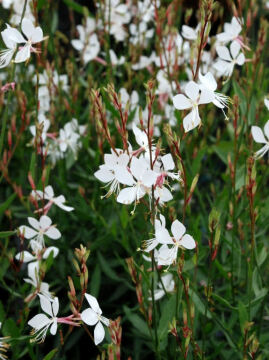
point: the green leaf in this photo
(6, 204)
(243, 315)
(199, 305)
(137, 322)
(51, 354)
(223, 301)
(75, 6)
(167, 314)
(5, 234)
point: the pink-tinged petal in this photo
(55, 306)
(235, 48)
(39, 321)
(53, 233)
(45, 304)
(23, 54)
(53, 328)
(257, 134)
(25, 256)
(178, 229)
(241, 59)
(223, 53)
(93, 303)
(127, 195)
(181, 102)
(51, 249)
(45, 222)
(104, 174)
(99, 333)
(192, 90)
(206, 97)
(123, 175)
(34, 223)
(188, 242)
(89, 317)
(266, 129)
(168, 162)
(27, 232)
(191, 121)
(163, 237)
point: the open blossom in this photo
(194, 99)
(209, 83)
(88, 43)
(151, 244)
(39, 229)
(228, 59)
(115, 171)
(41, 322)
(40, 287)
(231, 31)
(9, 36)
(166, 285)
(259, 137)
(93, 316)
(189, 33)
(168, 252)
(49, 195)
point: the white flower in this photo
(189, 33)
(34, 35)
(93, 316)
(114, 60)
(209, 83)
(144, 61)
(88, 43)
(166, 285)
(26, 256)
(49, 195)
(167, 255)
(140, 34)
(44, 125)
(145, 178)
(33, 279)
(10, 37)
(151, 244)
(260, 138)
(231, 31)
(115, 171)
(40, 228)
(195, 98)
(225, 65)
(41, 322)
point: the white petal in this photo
(188, 32)
(223, 53)
(104, 174)
(168, 162)
(163, 237)
(149, 178)
(235, 48)
(50, 249)
(192, 90)
(206, 97)
(181, 102)
(23, 54)
(241, 59)
(39, 321)
(89, 317)
(45, 304)
(191, 121)
(127, 195)
(99, 333)
(123, 175)
(59, 202)
(266, 129)
(45, 222)
(266, 103)
(178, 229)
(27, 232)
(188, 242)
(34, 223)
(53, 328)
(93, 303)
(208, 80)
(138, 167)
(14, 35)
(25, 256)
(55, 306)
(53, 233)
(163, 194)
(37, 35)
(27, 27)
(49, 193)
(257, 134)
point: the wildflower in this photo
(34, 35)
(231, 32)
(260, 138)
(151, 244)
(167, 255)
(228, 59)
(93, 316)
(39, 286)
(115, 171)
(115, 61)
(189, 33)
(166, 285)
(40, 228)
(11, 37)
(49, 195)
(194, 99)
(41, 322)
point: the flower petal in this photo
(192, 90)
(257, 134)
(39, 321)
(127, 195)
(89, 317)
(181, 102)
(45, 222)
(223, 53)
(45, 304)
(93, 303)
(178, 229)
(99, 333)
(53, 233)
(235, 48)
(188, 242)
(25, 256)
(27, 232)
(192, 120)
